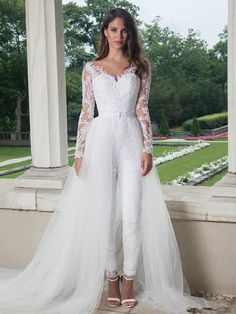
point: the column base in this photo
(37, 189)
(226, 187)
(43, 178)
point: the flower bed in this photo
(159, 138)
(208, 137)
(173, 155)
(205, 169)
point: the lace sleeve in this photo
(142, 111)
(87, 111)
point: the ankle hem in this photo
(112, 274)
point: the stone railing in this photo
(10, 138)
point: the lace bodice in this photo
(125, 93)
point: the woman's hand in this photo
(77, 164)
(146, 163)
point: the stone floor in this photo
(228, 307)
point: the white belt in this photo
(117, 114)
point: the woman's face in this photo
(116, 33)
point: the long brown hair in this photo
(133, 49)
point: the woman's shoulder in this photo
(90, 66)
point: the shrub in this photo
(211, 121)
(195, 129)
(164, 127)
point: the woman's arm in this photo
(87, 111)
(142, 111)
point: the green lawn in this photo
(213, 180)
(167, 171)
(9, 152)
(172, 169)
(162, 150)
(12, 175)
(19, 164)
(179, 128)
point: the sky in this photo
(206, 16)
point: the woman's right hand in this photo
(77, 164)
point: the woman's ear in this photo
(105, 32)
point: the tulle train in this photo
(67, 272)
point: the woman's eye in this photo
(115, 30)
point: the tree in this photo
(195, 129)
(164, 127)
(218, 57)
(13, 66)
(188, 79)
(183, 78)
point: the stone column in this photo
(232, 85)
(47, 95)
(226, 187)
(46, 75)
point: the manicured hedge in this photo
(211, 121)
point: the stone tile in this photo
(12, 198)
(143, 308)
(106, 312)
(47, 200)
(228, 306)
(104, 307)
(140, 308)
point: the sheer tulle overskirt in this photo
(67, 271)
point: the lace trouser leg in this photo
(111, 266)
(128, 176)
(130, 183)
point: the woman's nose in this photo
(121, 35)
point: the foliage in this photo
(164, 127)
(195, 130)
(188, 79)
(180, 166)
(184, 74)
(198, 174)
(212, 121)
(169, 156)
(13, 65)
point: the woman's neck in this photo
(115, 55)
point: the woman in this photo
(111, 218)
(119, 47)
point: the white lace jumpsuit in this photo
(119, 98)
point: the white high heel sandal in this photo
(132, 300)
(118, 300)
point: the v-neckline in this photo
(116, 77)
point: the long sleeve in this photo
(142, 111)
(87, 111)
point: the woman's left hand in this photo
(146, 163)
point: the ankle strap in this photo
(127, 278)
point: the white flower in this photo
(198, 172)
(173, 155)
